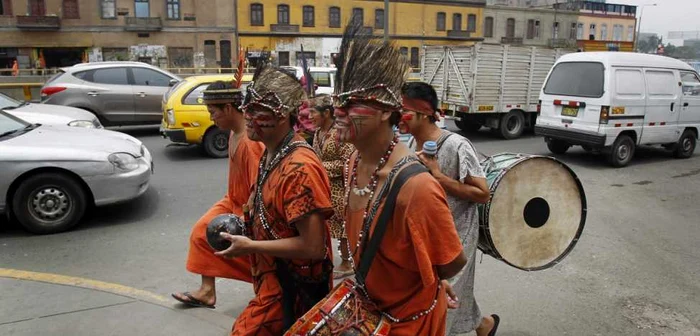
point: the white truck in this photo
(490, 85)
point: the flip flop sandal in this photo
(192, 301)
(496, 321)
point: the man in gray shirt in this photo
(456, 167)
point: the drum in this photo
(536, 213)
(342, 312)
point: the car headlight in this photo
(123, 161)
(171, 117)
(82, 123)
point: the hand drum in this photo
(228, 223)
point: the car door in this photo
(148, 88)
(663, 107)
(690, 101)
(111, 96)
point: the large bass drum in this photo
(536, 213)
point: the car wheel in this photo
(512, 125)
(49, 203)
(215, 143)
(558, 146)
(622, 151)
(686, 145)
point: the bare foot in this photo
(202, 296)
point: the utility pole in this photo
(386, 20)
(639, 26)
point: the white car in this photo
(49, 175)
(49, 114)
(324, 78)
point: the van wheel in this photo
(558, 146)
(215, 143)
(512, 125)
(686, 145)
(49, 203)
(622, 151)
(468, 126)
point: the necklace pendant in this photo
(360, 192)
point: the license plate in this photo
(569, 111)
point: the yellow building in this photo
(278, 29)
(604, 26)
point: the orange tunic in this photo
(403, 278)
(296, 188)
(242, 173)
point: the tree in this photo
(649, 44)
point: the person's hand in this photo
(452, 299)
(430, 162)
(240, 245)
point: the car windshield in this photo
(7, 102)
(10, 125)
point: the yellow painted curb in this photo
(107, 287)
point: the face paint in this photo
(404, 127)
(257, 122)
(350, 120)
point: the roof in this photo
(627, 59)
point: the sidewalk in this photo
(37, 308)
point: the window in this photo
(661, 84)
(630, 33)
(379, 18)
(5, 7)
(629, 84)
(456, 21)
(193, 98)
(141, 8)
(579, 31)
(308, 16)
(404, 51)
(283, 14)
(691, 84)
(358, 16)
(172, 8)
(591, 32)
(334, 17)
(322, 78)
(555, 30)
(537, 29)
(70, 9)
(256, 15)
(578, 79)
(415, 58)
(573, 31)
(114, 76)
(109, 9)
(617, 32)
(441, 18)
(37, 7)
(283, 58)
(471, 23)
(510, 28)
(148, 77)
(604, 32)
(488, 27)
(530, 29)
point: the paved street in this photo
(635, 270)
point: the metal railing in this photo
(26, 88)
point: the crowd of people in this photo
(303, 189)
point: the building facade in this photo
(530, 26)
(167, 33)
(604, 26)
(279, 29)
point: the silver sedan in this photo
(49, 175)
(48, 114)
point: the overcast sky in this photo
(667, 15)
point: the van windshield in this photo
(578, 79)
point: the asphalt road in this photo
(635, 270)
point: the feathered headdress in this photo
(274, 89)
(370, 70)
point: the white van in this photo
(324, 77)
(614, 101)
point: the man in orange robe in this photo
(421, 246)
(290, 246)
(223, 103)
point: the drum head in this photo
(537, 213)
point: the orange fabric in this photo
(296, 188)
(243, 165)
(403, 277)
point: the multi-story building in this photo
(530, 26)
(603, 26)
(278, 29)
(168, 33)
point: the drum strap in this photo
(380, 228)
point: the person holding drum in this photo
(289, 245)
(223, 101)
(456, 167)
(421, 246)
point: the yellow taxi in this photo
(186, 119)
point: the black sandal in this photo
(194, 302)
(496, 321)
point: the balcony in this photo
(512, 40)
(284, 28)
(141, 24)
(459, 34)
(562, 43)
(38, 22)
